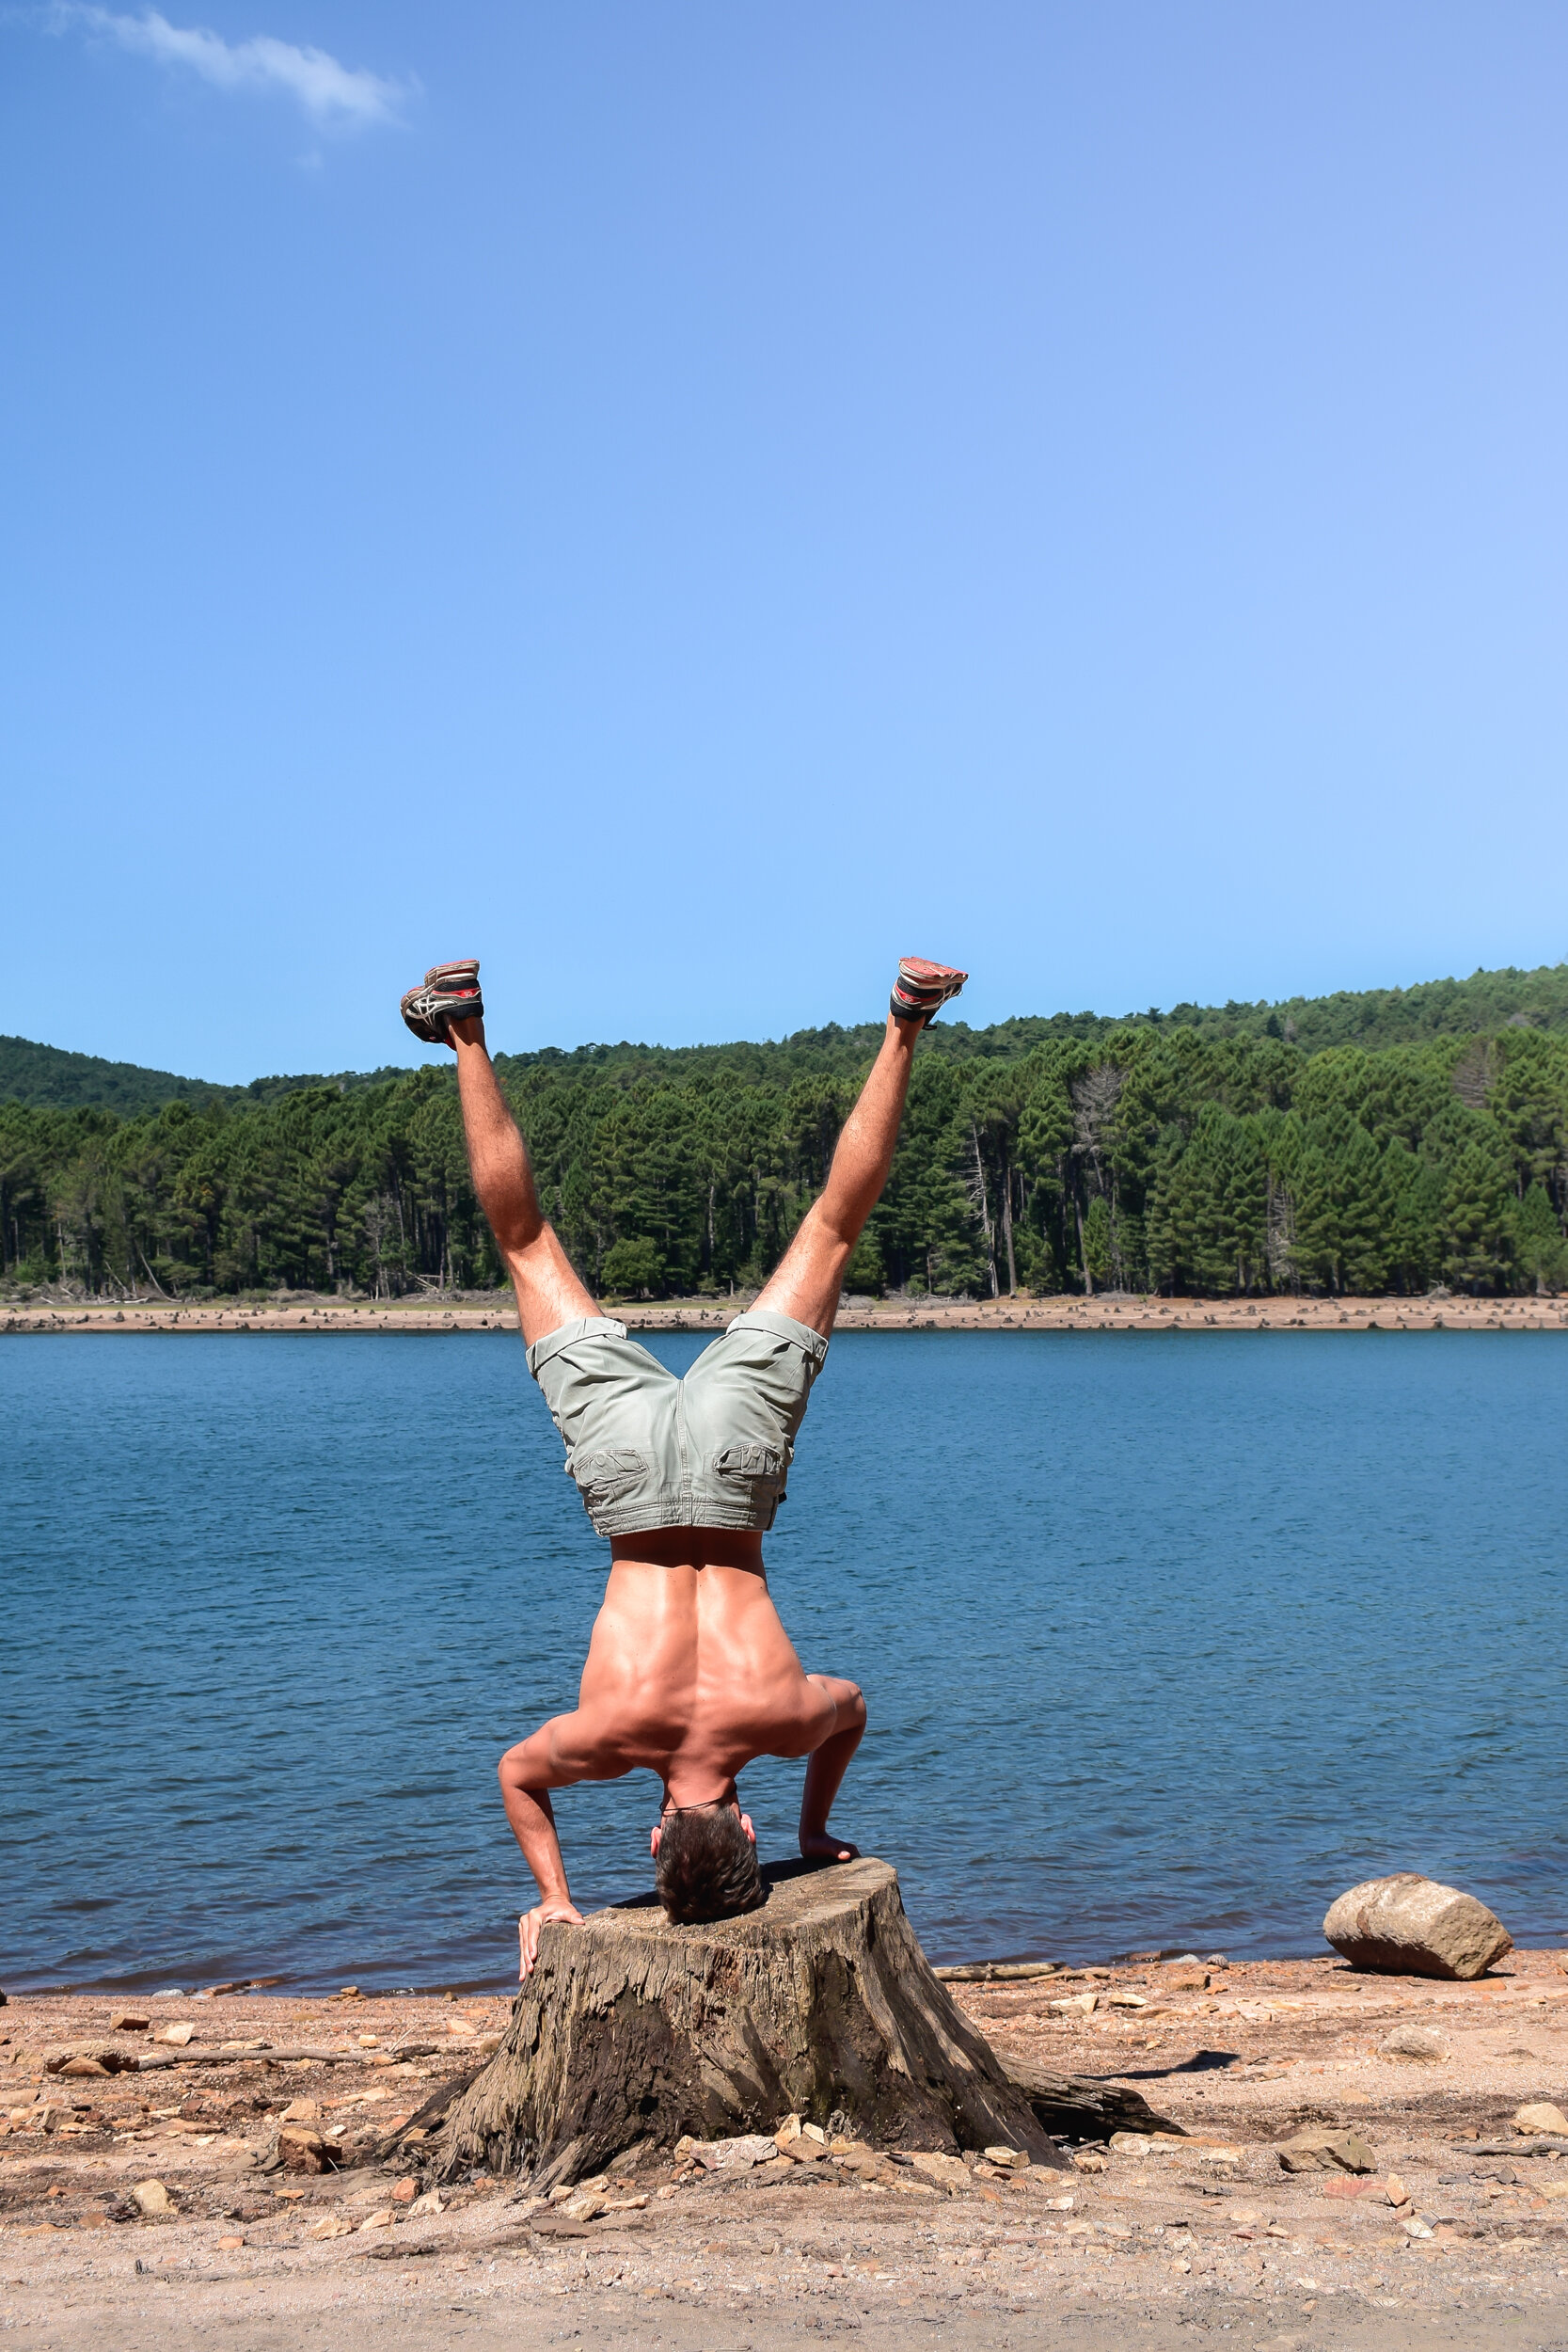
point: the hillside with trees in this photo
(1346, 1144)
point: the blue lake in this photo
(1166, 1640)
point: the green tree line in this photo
(48, 1077)
(1158, 1155)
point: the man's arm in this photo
(828, 1766)
(554, 1756)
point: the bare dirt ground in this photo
(1446, 2244)
(1022, 1312)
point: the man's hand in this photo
(529, 1925)
(823, 1847)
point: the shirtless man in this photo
(689, 1673)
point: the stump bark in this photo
(821, 2003)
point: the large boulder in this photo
(1409, 1925)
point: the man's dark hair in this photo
(707, 1865)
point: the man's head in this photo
(705, 1862)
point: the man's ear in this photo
(654, 1837)
(745, 1825)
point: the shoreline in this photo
(1194, 2225)
(1021, 1313)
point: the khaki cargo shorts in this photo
(649, 1450)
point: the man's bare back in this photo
(689, 1674)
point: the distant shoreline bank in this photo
(423, 1316)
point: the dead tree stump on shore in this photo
(821, 2003)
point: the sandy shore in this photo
(1022, 1313)
(1201, 2236)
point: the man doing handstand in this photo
(689, 1673)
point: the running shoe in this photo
(447, 992)
(921, 989)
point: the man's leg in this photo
(811, 1274)
(548, 1291)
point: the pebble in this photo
(151, 2198)
(1416, 2043)
(1541, 2116)
(1326, 2151)
(578, 2208)
(947, 2171)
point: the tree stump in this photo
(821, 2003)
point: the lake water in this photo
(1166, 1640)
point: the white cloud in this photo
(328, 92)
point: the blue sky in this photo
(688, 502)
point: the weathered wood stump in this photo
(632, 2029)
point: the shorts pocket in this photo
(605, 1478)
(753, 1469)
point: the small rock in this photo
(1010, 2159)
(1125, 2001)
(1416, 2226)
(1076, 2004)
(1407, 1925)
(1179, 1978)
(404, 2192)
(151, 2198)
(303, 2149)
(1090, 2160)
(1541, 2116)
(1130, 2143)
(1326, 2151)
(1417, 2044)
(229, 2245)
(102, 2059)
(736, 2156)
(947, 2171)
(803, 2143)
(1397, 2192)
(128, 2021)
(581, 2207)
(380, 2220)
(301, 2111)
(331, 2225)
(430, 2202)
(180, 2034)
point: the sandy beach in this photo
(1106, 1312)
(1446, 2242)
